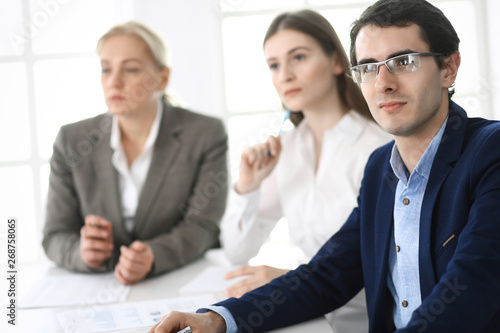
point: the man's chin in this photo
(396, 130)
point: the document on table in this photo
(74, 289)
(211, 280)
(127, 316)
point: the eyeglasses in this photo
(406, 63)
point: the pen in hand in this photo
(185, 330)
(287, 115)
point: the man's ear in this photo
(451, 63)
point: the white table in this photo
(159, 287)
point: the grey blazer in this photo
(179, 208)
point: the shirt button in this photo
(405, 304)
(398, 248)
(406, 201)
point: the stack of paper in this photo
(127, 316)
(74, 289)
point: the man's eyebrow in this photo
(392, 55)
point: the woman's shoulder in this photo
(192, 124)
(187, 115)
(100, 123)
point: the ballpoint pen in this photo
(185, 330)
(287, 115)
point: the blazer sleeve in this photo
(198, 228)
(61, 233)
(328, 281)
(466, 298)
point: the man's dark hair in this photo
(435, 29)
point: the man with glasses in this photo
(425, 238)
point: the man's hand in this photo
(258, 276)
(135, 263)
(96, 241)
(199, 323)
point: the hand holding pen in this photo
(96, 241)
(177, 322)
(287, 115)
(258, 161)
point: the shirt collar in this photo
(349, 127)
(424, 165)
(115, 141)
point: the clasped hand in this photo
(96, 241)
(135, 262)
(96, 246)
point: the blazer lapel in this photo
(448, 153)
(385, 216)
(165, 152)
(107, 182)
(384, 220)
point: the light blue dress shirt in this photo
(228, 317)
(403, 279)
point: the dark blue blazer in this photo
(459, 246)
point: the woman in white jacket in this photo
(311, 175)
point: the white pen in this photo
(185, 330)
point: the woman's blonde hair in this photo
(133, 28)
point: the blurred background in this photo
(49, 76)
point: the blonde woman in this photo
(140, 189)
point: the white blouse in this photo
(131, 180)
(315, 204)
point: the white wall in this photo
(192, 31)
(493, 8)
